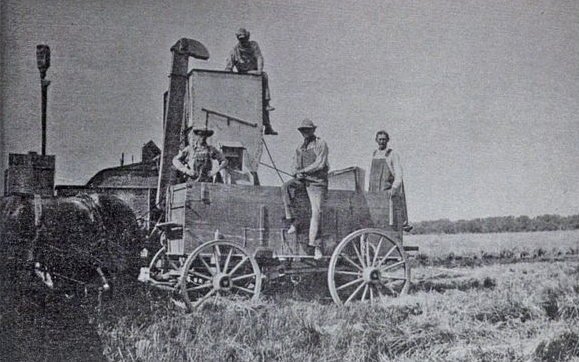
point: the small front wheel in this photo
(219, 268)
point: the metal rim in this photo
(156, 258)
(368, 265)
(219, 268)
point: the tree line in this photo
(499, 224)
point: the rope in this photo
(272, 161)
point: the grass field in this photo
(501, 310)
(479, 249)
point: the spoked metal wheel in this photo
(219, 268)
(164, 271)
(368, 265)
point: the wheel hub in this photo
(222, 282)
(371, 275)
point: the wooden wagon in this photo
(226, 238)
(223, 240)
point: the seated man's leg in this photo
(316, 196)
(266, 106)
(265, 85)
(287, 194)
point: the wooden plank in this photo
(234, 210)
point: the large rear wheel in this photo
(368, 265)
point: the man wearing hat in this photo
(247, 59)
(310, 172)
(386, 175)
(195, 160)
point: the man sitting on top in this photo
(386, 175)
(195, 160)
(246, 58)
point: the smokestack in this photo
(43, 62)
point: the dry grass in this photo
(466, 244)
(499, 312)
(512, 312)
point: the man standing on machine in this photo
(195, 160)
(247, 59)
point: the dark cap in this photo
(242, 33)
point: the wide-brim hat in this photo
(203, 132)
(307, 123)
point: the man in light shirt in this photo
(311, 172)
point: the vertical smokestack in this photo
(43, 62)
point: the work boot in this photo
(407, 227)
(269, 131)
(289, 223)
(318, 253)
(269, 108)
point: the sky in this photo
(481, 98)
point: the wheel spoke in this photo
(227, 260)
(364, 248)
(358, 254)
(354, 294)
(387, 255)
(387, 267)
(371, 294)
(343, 272)
(192, 272)
(202, 286)
(173, 264)
(205, 297)
(243, 261)
(377, 251)
(385, 285)
(392, 277)
(350, 283)
(206, 265)
(352, 262)
(243, 289)
(217, 257)
(365, 291)
(241, 277)
(380, 294)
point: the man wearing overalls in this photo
(311, 172)
(195, 160)
(386, 175)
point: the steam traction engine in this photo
(223, 239)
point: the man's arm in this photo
(258, 59)
(397, 170)
(295, 163)
(179, 164)
(223, 162)
(321, 150)
(230, 61)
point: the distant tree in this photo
(499, 224)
